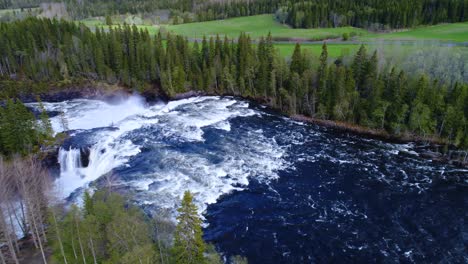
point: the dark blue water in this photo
(277, 191)
(343, 199)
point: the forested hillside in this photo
(360, 92)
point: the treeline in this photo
(360, 91)
(80, 9)
(5, 4)
(378, 14)
(215, 10)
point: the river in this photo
(269, 188)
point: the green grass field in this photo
(334, 50)
(256, 27)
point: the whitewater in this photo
(269, 188)
(116, 132)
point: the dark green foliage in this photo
(345, 36)
(376, 15)
(19, 131)
(379, 14)
(188, 243)
(360, 92)
(109, 20)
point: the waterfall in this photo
(78, 167)
(73, 174)
(70, 161)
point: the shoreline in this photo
(425, 148)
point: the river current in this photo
(269, 188)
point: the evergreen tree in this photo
(296, 60)
(188, 243)
(109, 20)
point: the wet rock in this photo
(431, 155)
(84, 153)
(187, 95)
(50, 160)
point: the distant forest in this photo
(356, 90)
(376, 14)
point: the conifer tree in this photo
(188, 243)
(109, 20)
(296, 60)
(322, 74)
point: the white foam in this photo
(252, 155)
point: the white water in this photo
(171, 171)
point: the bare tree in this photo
(109, 181)
(5, 231)
(32, 183)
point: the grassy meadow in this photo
(256, 27)
(334, 50)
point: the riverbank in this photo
(432, 148)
